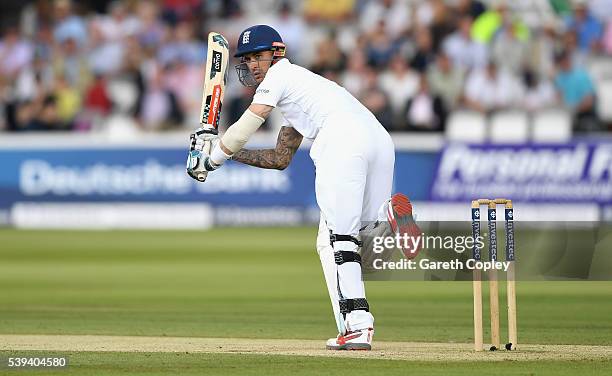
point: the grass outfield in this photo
(254, 283)
(109, 363)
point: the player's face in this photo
(258, 64)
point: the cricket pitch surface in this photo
(415, 351)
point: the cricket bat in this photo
(215, 79)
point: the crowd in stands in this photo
(140, 64)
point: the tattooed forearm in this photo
(278, 158)
(258, 158)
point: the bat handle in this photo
(207, 128)
(202, 176)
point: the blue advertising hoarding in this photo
(572, 173)
(138, 175)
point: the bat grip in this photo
(207, 129)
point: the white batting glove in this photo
(202, 142)
(206, 145)
(206, 133)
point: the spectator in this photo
(151, 31)
(446, 80)
(185, 83)
(132, 72)
(376, 100)
(96, 97)
(144, 58)
(601, 9)
(329, 57)
(424, 13)
(332, 75)
(396, 15)
(293, 29)
(570, 45)
(179, 11)
(118, 24)
(68, 101)
(30, 86)
(492, 89)
(183, 47)
(3, 123)
(71, 64)
(607, 39)
(104, 56)
(539, 94)
(160, 109)
(541, 51)
(442, 24)
(508, 50)
(465, 52)
(424, 53)
(39, 115)
(328, 11)
(399, 83)
(43, 43)
(587, 28)
(380, 47)
(487, 24)
(32, 80)
(352, 78)
(425, 111)
(15, 53)
(68, 25)
(577, 92)
(470, 8)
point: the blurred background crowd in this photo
(138, 65)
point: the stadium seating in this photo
(509, 127)
(466, 126)
(604, 100)
(600, 68)
(551, 126)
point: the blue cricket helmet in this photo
(259, 38)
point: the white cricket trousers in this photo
(354, 159)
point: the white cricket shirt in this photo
(304, 98)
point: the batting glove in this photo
(201, 142)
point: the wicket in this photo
(493, 282)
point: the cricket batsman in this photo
(354, 159)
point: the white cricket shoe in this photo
(356, 340)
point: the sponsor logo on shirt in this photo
(263, 91)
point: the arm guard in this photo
(236, 136)
(239, 133)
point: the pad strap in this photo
(349, 305)
(347, 256)
(343, 238)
